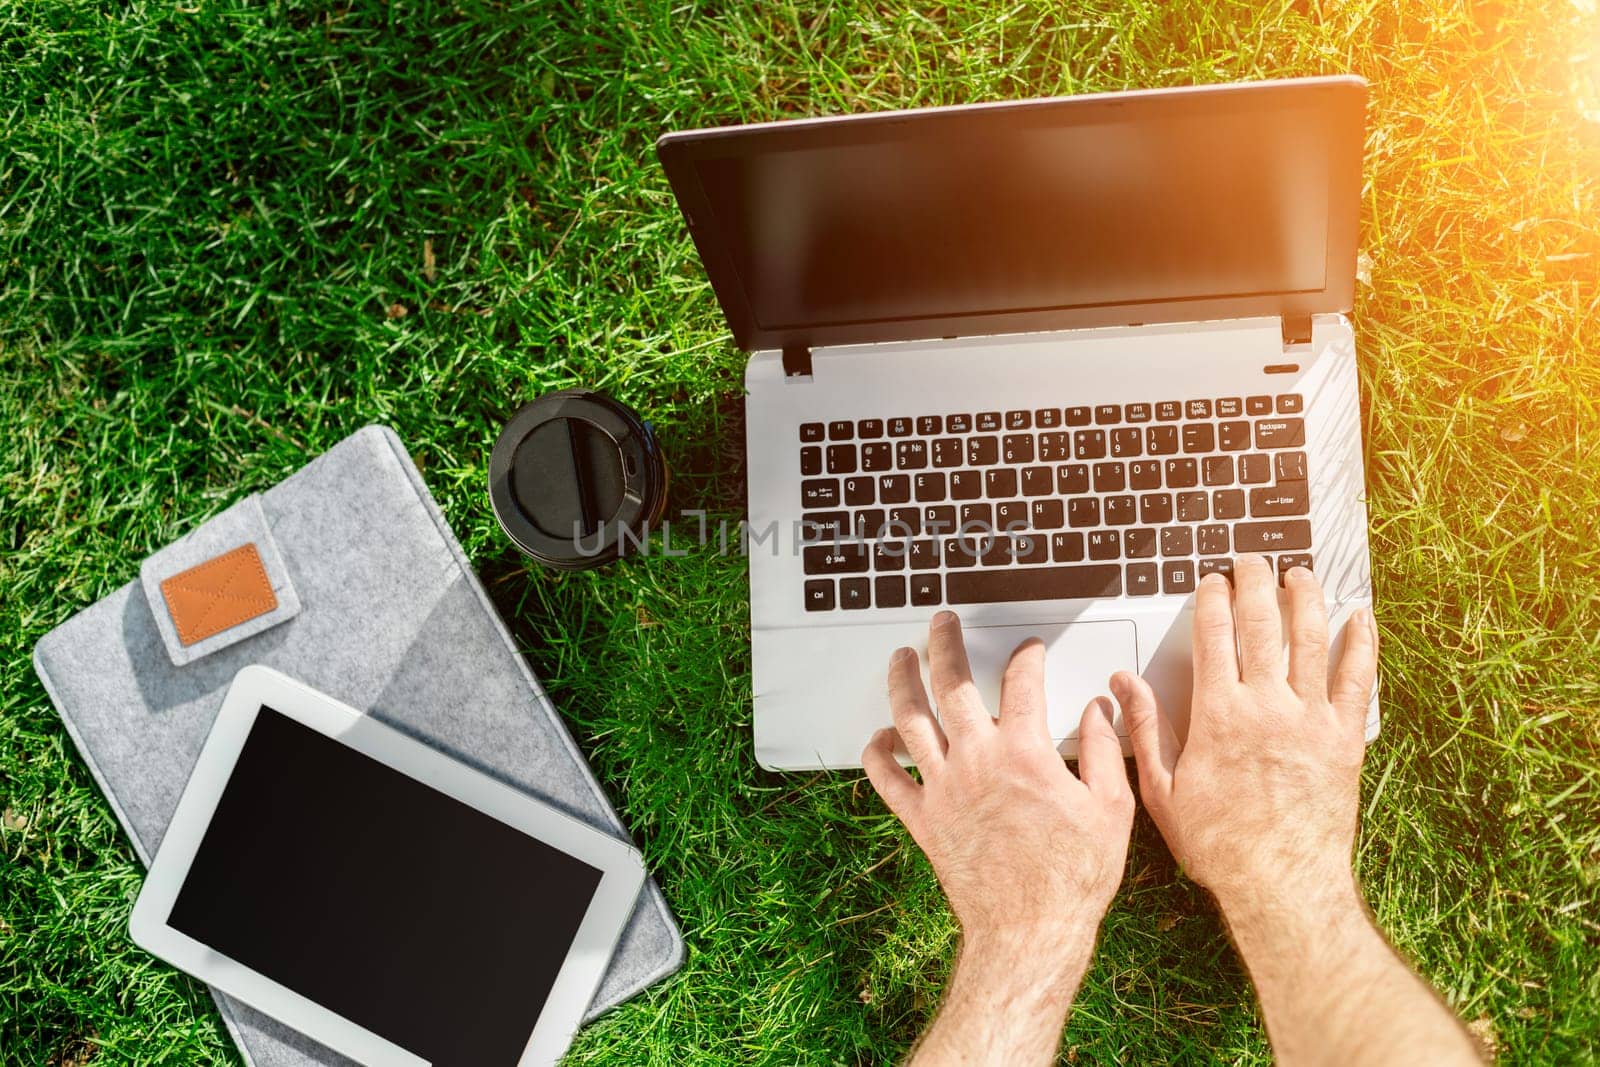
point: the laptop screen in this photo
(1052, 206)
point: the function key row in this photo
(1049, 418)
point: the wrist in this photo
(1300, 912)
(1028, 966)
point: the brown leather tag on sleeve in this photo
(221, 592)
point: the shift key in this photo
(1271, 536)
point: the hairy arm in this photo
(1260, 804)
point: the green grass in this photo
(215, 230)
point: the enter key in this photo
(1285, 498)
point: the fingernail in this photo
(1109, 711)
(900, 655)
(1119, 687)
(944, 617)
(1214, 578)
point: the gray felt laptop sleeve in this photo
(379, 608)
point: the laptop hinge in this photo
(796, 361)
(1297, 329)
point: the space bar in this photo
(1032, 583)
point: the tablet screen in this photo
(429, 923)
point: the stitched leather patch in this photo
(221, 592)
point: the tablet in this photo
(376, 895)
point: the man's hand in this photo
(1259, 804)
(1029, 854)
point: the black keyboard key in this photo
(982, 451)
(1290, 560)
(1291, 466)
(1223, 566)
(1038, 481)
(977, 518)
(1032, 548)
(1137, 413)
(958, 423)
(900, 427)
(819, 594)
(1126, 441)
(1055, 447)
(1000, 482)
(1177, 541)
(1089, 444)
(928, 487)
(1198, 409)
(1105, 544)
(841, 459)
(988, 421)
(894, 488)
(1011, 516)
(811, 460)
(1233, 436)
(1144, 579)
(1227, 504)
(1161, 440)
(1182, 473)
(1106, 414)
(1213, 539)
(868, 524)
(869, 428)
(858, 491)
(1083, 511)
(1285, 498)
(1078, 416)
(841, 430)
(1199, 437)
(1144, 474)
(1229, 407)
(1280, 433)
(1177, 576)
(910, 455)
(1001, 552)
(939, 519)
(1019, 420)
(1066, 547)
(855, 593)
(1217, 470)
(1072, 478)
(1120, 511)
(819, 493)
(906, 522)
(835, 559)
(877, 456)
(1284, 536)
(1193, 507)
(930, 425)
(925, 591)
(1017, 448)
(1155, 509)
(948, 452)
(1290, 404)
(1254, 469)
(818, 526)
(1035, 583)
(1169, 411)
(966, 485)
(1258, 405)
(1045, 418)
(965, 551)
(890, 591)
(923, 554)
(811, 431)
(1110, 477)
(1047, 515)
(1139, 542)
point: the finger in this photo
(1100, 753)
(1256, 619)
(960, 707)
(908, 702)
(1155, 743)
(1351, 689)
(897, 788)
(1022, 702)
(1216, 653)
(1308, 635)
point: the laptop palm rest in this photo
(1080, 658)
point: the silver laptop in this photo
(1043, 363)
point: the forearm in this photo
(1331, 988)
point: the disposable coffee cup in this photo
(577, 479)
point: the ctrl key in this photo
(819, 594)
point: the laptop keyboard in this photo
(1049, 503)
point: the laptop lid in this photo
(1166, 205)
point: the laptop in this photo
(1043, 363)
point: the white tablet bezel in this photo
(622, 870)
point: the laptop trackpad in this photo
(1079, 660)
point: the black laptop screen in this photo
(970, 213)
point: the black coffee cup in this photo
(576, 479)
